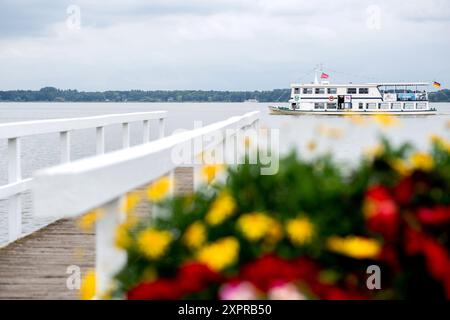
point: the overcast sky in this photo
(219, 44)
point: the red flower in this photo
(194, 277)
(382, 212)
(437, 258)
(389, 255)
(160, 289)
(404, 190)
(434, 216)
(268, 271)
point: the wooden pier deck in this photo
(35, 267)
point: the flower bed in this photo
(309, 232)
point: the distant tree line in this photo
(54, 94)
(440, 96)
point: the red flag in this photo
(324, 76)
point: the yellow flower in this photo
(401, 167)
(312, 145)
(440, 142)
(222, 208)
(87, 221)
(275, 233)
(159, 189)
(300, 230)
(130, 202)
(254, 226)
(386, 120)
(355, 247)
(330, 132)
(153, 243)
(357, 119)
(87, 290)
(195, 235)
(123, 239)
(422, 161)
(247, 141)
(220, 254)
(209, 172)
(375, 151)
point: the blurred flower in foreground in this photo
(130, 201)
(330, 132)
(422, 161)
(355, 247)
(220, 254)
(195, 235)
(300, 230)
(440, 142)
(385, 120)
(209, 172)
(153, 243)
(159, 189)
(375, 151)
(312, 145)
(358, 120)
(286, 291)
(222, 208)
(87, 290)
(238, 291)
(87, 221)
(123, 238)
(254, 226)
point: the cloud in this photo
(222, 44)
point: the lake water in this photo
(295, 132)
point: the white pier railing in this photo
(13, 132)
(71, 189)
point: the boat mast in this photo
(318, 69)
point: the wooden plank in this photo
(35, 267)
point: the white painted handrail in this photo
(72, 189)
(13, 132)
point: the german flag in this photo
(436, 84)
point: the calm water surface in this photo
(295, 132)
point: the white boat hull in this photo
(277, 110)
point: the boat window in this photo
(296, 90)
(331, 105)
(363, 90)
(384, 105)
(319, 105)
(351, 90)
(422, 105)
(361, 105)
(371, 106)
(332, 90)
(320, 90)
(307, 90)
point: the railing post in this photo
(109, 259)
(100, 140)
(197, 176)
(64, 138)
(172, 182)
(125, 135)
(161, 128)
(14, 175)
(146, 133)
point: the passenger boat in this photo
(322, 97)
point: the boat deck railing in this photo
(13, 132)
(72, 189)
